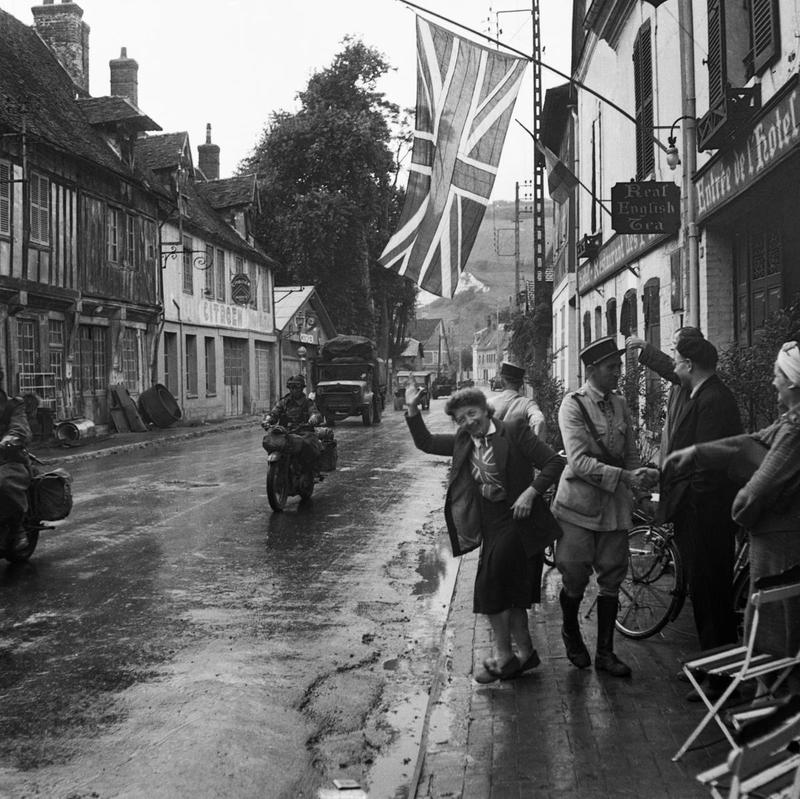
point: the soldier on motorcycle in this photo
(15, 477)
(294, 409)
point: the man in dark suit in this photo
(699, 505)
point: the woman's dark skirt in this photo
(504, 579)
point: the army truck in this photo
(350, 380)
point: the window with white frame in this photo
(5, 198)
(113, 234)
(130, 358)
(39, 207)
(130, 241)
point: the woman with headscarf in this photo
(768, 505)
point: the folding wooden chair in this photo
(765, 761)
(741, 663)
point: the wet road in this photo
(176, 638)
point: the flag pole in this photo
(534, 60)
(580, 183)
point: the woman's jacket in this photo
(517, 451)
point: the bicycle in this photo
(655, 588)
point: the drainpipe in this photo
(689, 160)
(180, 357)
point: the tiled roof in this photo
(164, 151)
(35, 87)
(422, 329)
(229, 192)
(111, 110)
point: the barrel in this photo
(158, 406)
(75, 429)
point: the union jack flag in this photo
(465, 98)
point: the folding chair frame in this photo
(762, 763)
(740, 663)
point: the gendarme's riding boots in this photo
(577, 652)
(605, 659)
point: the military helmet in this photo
(296, 381)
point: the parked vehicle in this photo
(290, 470)
(442, 386)
(49, 500)
(466, 384)
(350, 380)
(402, 378)
(495, 383)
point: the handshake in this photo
(642, 479)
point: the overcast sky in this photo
(232, 63)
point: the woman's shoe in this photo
(491, 673)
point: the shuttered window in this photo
(643, 87)
(716, 51)
(188, 278)
(5, 197)
(221, 277)
(765, 32)
(39, 191)
(209, 268)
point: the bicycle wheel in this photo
(654, 589)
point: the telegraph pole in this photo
(516, 246)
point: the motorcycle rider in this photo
(294, 409)
(15, 476)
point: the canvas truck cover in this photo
(357, 347)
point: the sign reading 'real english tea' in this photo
(648, 206)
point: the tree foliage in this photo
(530, 334)
(328, 194)
(748, 371)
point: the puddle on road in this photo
(392, 770)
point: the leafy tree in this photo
(748, 371)
(530, 333)
(328, 194)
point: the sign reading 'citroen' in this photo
(647, 206)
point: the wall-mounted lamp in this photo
(673, 157)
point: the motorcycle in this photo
(49, 499)
(287, 473)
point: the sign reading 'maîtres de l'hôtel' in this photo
(648, 206)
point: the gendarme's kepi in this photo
(600, 350)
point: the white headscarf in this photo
(789, 362)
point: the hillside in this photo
(487, 283)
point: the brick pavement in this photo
(559, 731)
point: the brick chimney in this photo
(208, 157)
(125, 77)
(67, 35)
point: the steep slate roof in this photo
(229, 192)
(163, 151)
(422, 329)
(111, 110)
(32, 78)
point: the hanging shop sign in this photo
(240, 288)
(646, 206)
(773, 138)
